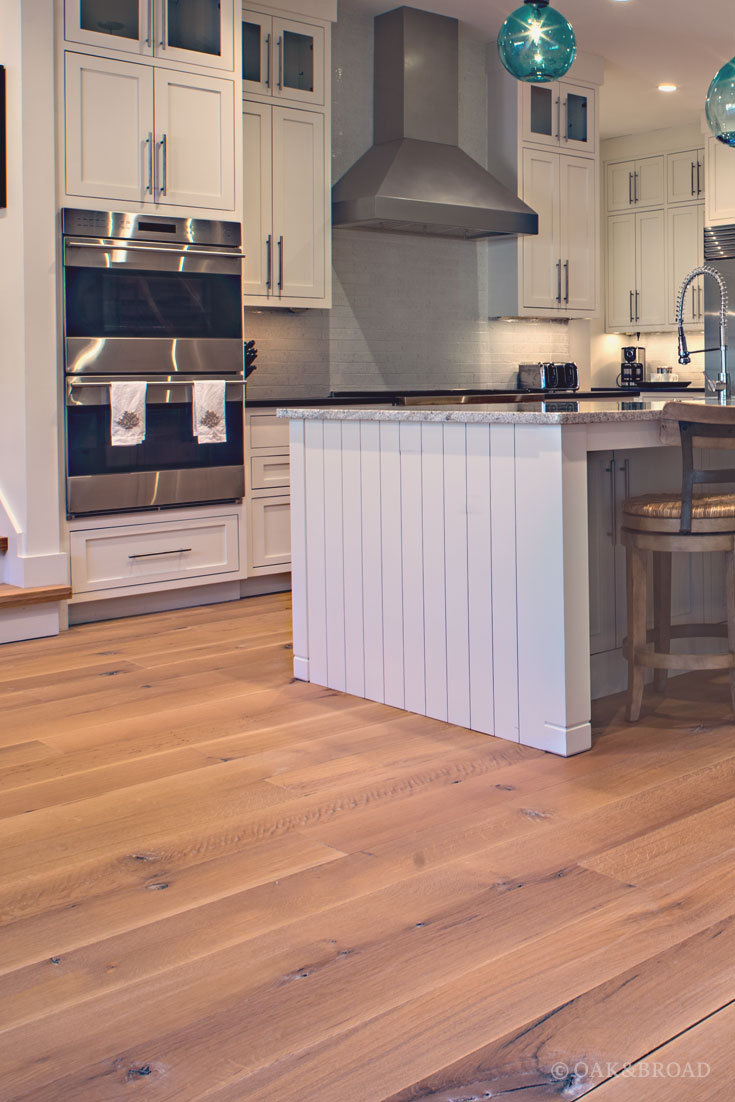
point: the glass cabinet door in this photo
(541, 113)
(197, 31)
(257, 55)
(111, 24)
(578, 117)
(298, 56)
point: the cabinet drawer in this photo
(270, 531)
(141, 554)
(267, 431)
(268, 472)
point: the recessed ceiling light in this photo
(667, 87)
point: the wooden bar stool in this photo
(664, 523)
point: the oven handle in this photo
(104, 385)
(171, 250)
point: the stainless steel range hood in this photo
(415, 178)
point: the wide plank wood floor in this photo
(219, 883)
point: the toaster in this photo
(548, 376)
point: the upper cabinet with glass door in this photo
(559, 114)
(282, 58)
(191, 32)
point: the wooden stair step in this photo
(14, 596)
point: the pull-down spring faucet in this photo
(721, 385)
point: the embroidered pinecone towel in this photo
(209, 411)
(127, 406)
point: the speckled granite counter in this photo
(552, 412)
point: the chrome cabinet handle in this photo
(280, 63)
(630, 191)
(164, 168)
(699, 183)
(635, 187)
(558, 118)
(613, 533)
(267, 61)
(626, 477)
(630, 306)
(149, 143)
(269, 261)
(149, 24)
(130, 246)
(637, 315)
(565, 135)
(692, 180)
(280, 263)
(153, 554)
(558, 281)
(566, 284)
(164, 23)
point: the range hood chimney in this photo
(415, 178)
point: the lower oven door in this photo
(169, 468)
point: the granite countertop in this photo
(562, 411)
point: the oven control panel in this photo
(149, 227)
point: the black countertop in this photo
(340, 399)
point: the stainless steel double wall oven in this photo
(155, 299)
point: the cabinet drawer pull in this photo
(558, 281)
(630, 306)
(153, 554)
(149, 144)
(280, 63)
(269, 262)
(613, 533)
(164, 169)
(267, 61)
(637, 315)
(699, 179)
(566, 281)
(558, 117)
(692, 181)
(630, 191)
(149, 25)
(164, 23)
(280, 263)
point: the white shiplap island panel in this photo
(440, 561)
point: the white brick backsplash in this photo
(408, 311)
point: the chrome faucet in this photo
(722, 384)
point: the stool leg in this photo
(730, 588)
(661, 612)
(635, 569)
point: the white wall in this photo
(29, 467)
(408, 311)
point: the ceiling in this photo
(644, 43)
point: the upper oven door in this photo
(181, 305)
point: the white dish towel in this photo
(209, 411)
(127, 404)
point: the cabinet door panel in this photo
(109, 123)
(685, 252)
(621, 271)
(578, 118)
(299, 218)
(602, 558)
(541, 113)
(197, 32)
(620, 185)
(651, 307)
(195, 147)
(542, 253)
(298, 61)
(257, 201)
(579, 232)
(257, 53)
(649, 186)
(720, 196)
(685, 176)
(125, 25)
(270, 532)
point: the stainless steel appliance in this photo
(151, 294)
(157, 300)
(719, 291)
(548, 376)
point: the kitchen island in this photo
(440, 557)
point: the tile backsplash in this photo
(408, 311)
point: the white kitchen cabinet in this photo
(286, 206)
(636, 184)
(685, 231)
(195, 129)
(559, 264)
(685, 176)
(270, 527)
(636, 271)
(148, 135)
(601, 500)
(560, 114)
(109, 129)
(720, 194)
(268, 492)
(192, 32)
(283, 58)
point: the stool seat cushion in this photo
(668, 506)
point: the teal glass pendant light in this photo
(536, 43)
(720, 104)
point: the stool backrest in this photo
(700, 426)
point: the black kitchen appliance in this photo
(548, 376)
(633, 365)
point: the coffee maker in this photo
(633, 366)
